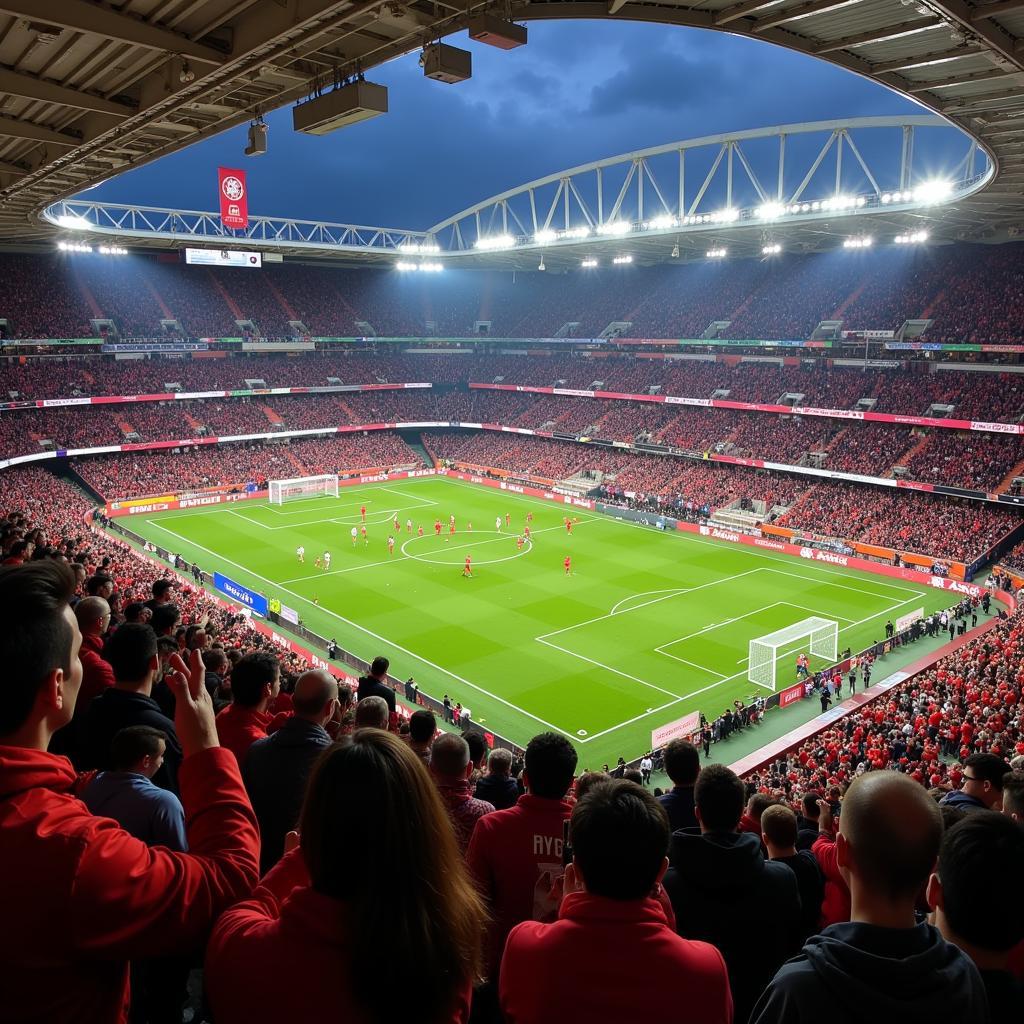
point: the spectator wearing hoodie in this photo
(682, 765)
(982, 788)
(723, 891)
(611, 930)
(115, 897)
(976, 850)
(276, 767)
(778, 833)
(881, 962)
(375, 685)
(497, 786)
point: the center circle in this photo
(462, 547)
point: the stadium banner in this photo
(791, 695)
(234, 197)
(530, 492)
(906, 621)
(681, 729)
(289, 614)
(243, 595)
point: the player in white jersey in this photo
(497, 523)
(408, 526)
(355, 534)
(327, 560)
(301, 552)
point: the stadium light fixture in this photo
(770, 211)
(717, 254)
(427, 268)
(622, 259)
(73, 221)
(933, 191)
(186, 74)
(540, 266)
(861, 242)
(74, 247)
(418, 248)
(614, 227)
(913, 238)
(583, 232)
(495, 242)
(726, 216)
(545, 235)
(675, 252)
(589, 263)
(771, 250)
(112, 250)
(662, 223)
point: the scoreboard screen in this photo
(223, 258)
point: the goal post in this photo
(821, 636)
(303, 487)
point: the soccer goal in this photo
(303, 487)
(822, 636)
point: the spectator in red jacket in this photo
(516, 855)
(612, 956)
(255, 682)
(330, 932)
(93, 614)
(109, 896)
(835, 908)
(451, 768)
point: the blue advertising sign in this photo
(243, 595)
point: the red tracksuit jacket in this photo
(80, 895)
(609, 961)
(513, 856)
(836, 906)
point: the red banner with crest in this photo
(234, 197)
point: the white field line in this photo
(608, 668)
(646, 593)
(413, 558)
(720, 545)
(376, 636)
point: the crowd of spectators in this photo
(970, 292)
(230, 790)
(966, 459)
(902, 519)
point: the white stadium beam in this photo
(742, 10)
(878, 35)
(925, 60)
(104, 21)
(799, 12)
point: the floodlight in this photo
(545, 235)
(540, 266)
(861, 242)
(614, 227)
(623, 259)
(933, 191)
(662, 223)
(70, 220)
(583, 232)
(725, 216)
(770, 211)
(589, 263)
(717, 254)
(913, 238)
(771, 250)
(675, 252)
(496, 242)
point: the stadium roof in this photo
(88, 90)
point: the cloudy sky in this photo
(578, 92)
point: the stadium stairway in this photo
(158, 299)
(915, 450)
(192, 422)
(300, 469)
(268, 280)
(415, 442)
(1004, 484)
(228, 301)
(272, 416)
(90, 299)
(849, 300)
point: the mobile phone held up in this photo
(566, 844)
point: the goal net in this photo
(303, 487)
(820, 635)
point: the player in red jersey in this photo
(568, 565)
(398, 525)
(451, 528)
(316, 562)
(419, 530)
(362, 512)
(526, 532)
(520, 541)
(391, 546)
(529, 517)
(366, 540)
(437, 527)
(508, 518)
(568, 527)
(467, 569)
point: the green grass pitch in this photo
(647, 628)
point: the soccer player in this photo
(316, 562)
(526, 532)
(451, 521)
(497, 524)
(467, 569)
(301, 552)
(451, 527)
(520, 541)
(529, 517)
(398, 526)
(391, 546)
(568, 565)
(366, 539)
(362, 512)
(469, 527)
(508, 518)
(327, 560)
(355, 534)
(568, 526)
(419, 530)
(408, 526)
(437, 527)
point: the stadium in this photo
(628, 560)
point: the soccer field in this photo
(647, 628)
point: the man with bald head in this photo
(276, 768)
(882, 963)
(451, 766)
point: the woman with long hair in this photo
(373, 918)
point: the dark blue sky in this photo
(578, 92)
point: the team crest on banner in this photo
(234, 198)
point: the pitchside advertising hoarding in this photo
(681, 729)
(256, 603)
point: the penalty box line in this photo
(376, 636)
